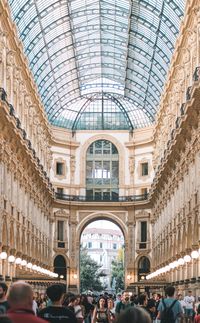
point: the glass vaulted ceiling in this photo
(79, 50)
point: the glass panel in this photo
(98, 172)
(98, 169)
(114, 150)
(89, 168)
(115, 194)
(59, 168)
(89, 194)
(143, 231)
(76, 49)
(106, 169)
(115, 169)
(144, 169)
(97, 195)
(60, 231)
(106, 195)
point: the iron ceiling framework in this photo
(79, 50)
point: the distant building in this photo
(103, 246)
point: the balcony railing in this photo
(82, 198)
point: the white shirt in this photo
(183, 304)
(189, 300)
(34, 307)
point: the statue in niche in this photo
(131, 165)
(72, 167)
(9, 72)
(2, 49)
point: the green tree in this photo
(90, 273)
(117, 269)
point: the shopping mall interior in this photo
(100, 120)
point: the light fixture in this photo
(3, 255)
(181, 261)
(29, 265)
(176, 264)
(75, 276)
(11, 259)
(34, 267)
(18, 261)
(171, 265)
(23, 263)
(195, 254)
(187, 258)
(61, 276)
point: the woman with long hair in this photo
(101, 313)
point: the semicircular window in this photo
(103, 114)
(102, 171)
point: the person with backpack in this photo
(169, 309)
(101, 312)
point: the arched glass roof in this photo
(78, 49)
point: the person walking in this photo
(169, 309)
(189, 308)
(3, 300)
(56, 313)
(20, 300)
(101, 313)
(124, 304)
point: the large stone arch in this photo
(102, 215)
(115, 142)
(60, 263)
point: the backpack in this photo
(167, 315)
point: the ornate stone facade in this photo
(29, 149)
(175, 192)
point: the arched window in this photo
(143, 268)
(60, 266)
(102, 171)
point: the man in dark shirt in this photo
(56, 313)
(3, 301)
(123, 304)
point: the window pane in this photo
(144, 169)
(115, 169)
(97, 195)
(114, 150)
(89, 169)
(98, 169)
(60, 230)
(102, 172)
(106, 169)
(89, 194)
(59, 168)
(143, 231)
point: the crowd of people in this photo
(21, 305)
